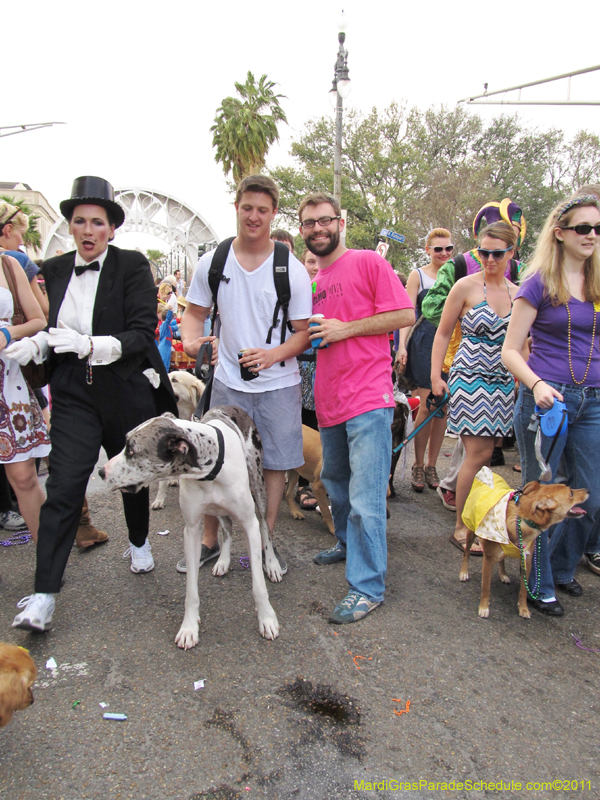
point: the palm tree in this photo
(245, 129)
(32, 237)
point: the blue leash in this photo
(434, 402)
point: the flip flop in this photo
(304, 497)
(516, 468)
(461, 546)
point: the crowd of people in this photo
(307, 342)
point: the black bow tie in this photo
(95, 265)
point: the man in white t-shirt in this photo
(246, 301)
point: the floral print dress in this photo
(23, 432)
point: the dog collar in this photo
(220, 455)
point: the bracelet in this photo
(88, 365)
(539, 380)
(6, 332)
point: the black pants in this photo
(84, 419)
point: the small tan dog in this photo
(17, 674)
(537, 507)
(188, 390)
(311, 470)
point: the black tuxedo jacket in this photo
(125, 307)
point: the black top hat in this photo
(93, 191)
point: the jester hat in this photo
(506, 211)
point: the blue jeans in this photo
(561, 550)
(356, 469)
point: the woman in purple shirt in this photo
(559, 304)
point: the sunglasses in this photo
(584, 229)
(449, 248)
(324, 222)
(497, 255)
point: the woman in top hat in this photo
(106, 377)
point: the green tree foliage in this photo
(31, 237)
(155, 256)
(412, 170)
(245, 128)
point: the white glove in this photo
(22, 351)
(153, 377)
(65, 340)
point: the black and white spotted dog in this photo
(219, 465)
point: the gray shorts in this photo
(278, 417)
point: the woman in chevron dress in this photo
(481, 388)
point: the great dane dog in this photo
(219, 465)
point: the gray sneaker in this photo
(206, 554)
(11, 521)
(353, 607)
(336, 553)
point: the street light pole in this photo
(340, 89)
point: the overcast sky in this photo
(138, 84)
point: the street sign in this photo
(397, 237)
(382, 249)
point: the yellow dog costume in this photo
(485, 510)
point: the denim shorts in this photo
(278, 417)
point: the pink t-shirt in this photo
(355, 375)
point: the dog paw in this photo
(173, 483)
(504, 578)
(157, 505)
(525, 613)
(484, 613)
(297, 514)
(273, 570)
(221, 568)
(269, 627)
(187, 638)
(463, 576)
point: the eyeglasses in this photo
(324, 222)
(449, 248)
(497, 255)
(583, 229)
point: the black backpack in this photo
(281, 279)
(460, 268)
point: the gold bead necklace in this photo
(591, 349)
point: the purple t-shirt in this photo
(549, 357)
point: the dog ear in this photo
(530, 487)
(168, 415)
(545, 504)
(173, 446)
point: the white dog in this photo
(187, 390)
(219, 465)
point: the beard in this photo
(323, 248)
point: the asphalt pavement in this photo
(421, 699)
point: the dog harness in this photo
(485, 510)
(220, 455)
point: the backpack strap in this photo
(460, 267)
(281, 279)
(215, 276)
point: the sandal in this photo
(461, 545)
(431, 477)
(306, 499)
(418, 479)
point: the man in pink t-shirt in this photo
(361, 300)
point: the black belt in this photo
(307, 357)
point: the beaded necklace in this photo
(516, 496)
(569, 347)
(537, 561)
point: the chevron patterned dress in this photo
(481, 388)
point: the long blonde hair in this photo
(548, 258)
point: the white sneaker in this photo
(141, 557)
(11, 521)
(37, 612)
